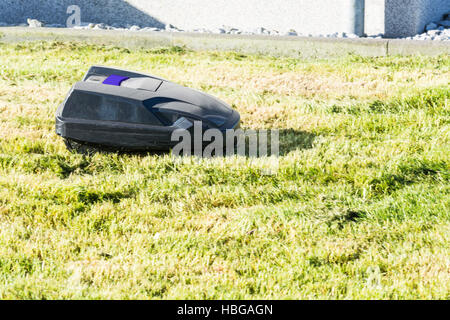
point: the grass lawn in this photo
(359, 207)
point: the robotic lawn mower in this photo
(119, 110)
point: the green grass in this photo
(359, 208)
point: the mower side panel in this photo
(115, 134)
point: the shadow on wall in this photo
(111, 12)
(405, 18)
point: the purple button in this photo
(115, 80)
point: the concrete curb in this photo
(298, 47)
(409, 47)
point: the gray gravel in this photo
(437, 31)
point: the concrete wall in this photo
(402, 18)
(408, 17)
(97, 11)
(374, 17)
(306, 16)
(391, 17)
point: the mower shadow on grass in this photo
(292, 140)
(289, 140)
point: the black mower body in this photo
(125, 110)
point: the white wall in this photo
(393, 17)
(374, 17)
(306, 16)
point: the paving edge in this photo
(298, 47)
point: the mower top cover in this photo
(125, 110)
